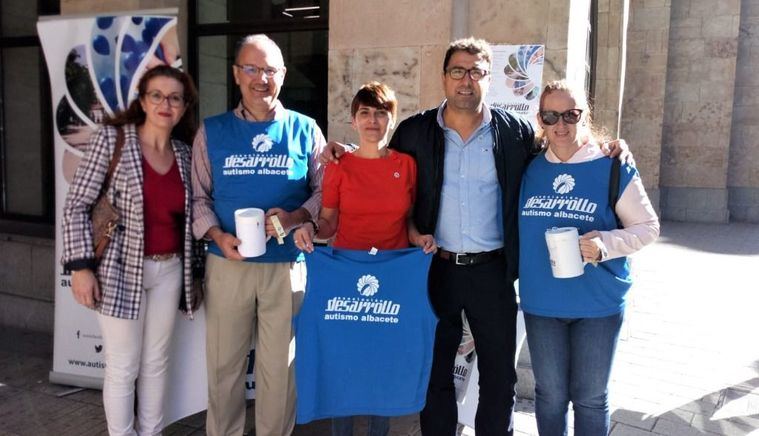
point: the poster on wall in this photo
(516, 81)
(95, 63)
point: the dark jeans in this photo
(487, 297)
(378, 426)
(571, 360)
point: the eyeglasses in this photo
(571, 116)
(458, 73)
(252, 70)
(156, 97)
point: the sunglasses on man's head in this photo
(572, 116)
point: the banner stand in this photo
(94, 64)
(82, 381)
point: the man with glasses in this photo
(470, 160)
(258, 155)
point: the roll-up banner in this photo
(466, 375)
(95, 63)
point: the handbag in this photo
(104, 215)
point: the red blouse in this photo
(373, 198)
(163, 199)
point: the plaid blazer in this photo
(120, 269)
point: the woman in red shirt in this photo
(367, 199)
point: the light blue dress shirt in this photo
(470, 219)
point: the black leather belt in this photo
(469, 258)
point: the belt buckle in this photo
(456, 259)
(161, 257)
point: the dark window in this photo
(300, 28)
(26, 142)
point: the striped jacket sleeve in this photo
(78, 249)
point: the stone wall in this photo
(743, 174)
(525, 22)
(703, 45)
(405, 51)
(644, 88)
(608, 65)
(26, 282)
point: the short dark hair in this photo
(471, 45)
(134, 114)
(377, 95)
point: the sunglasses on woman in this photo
(572, 116)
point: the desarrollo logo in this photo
(263, 161)
(261, 143)
(576, 207)
(563, 184)
(367, 285)
(365, 308)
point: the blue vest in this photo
(259, 164)
(365, 334)
(569, 195)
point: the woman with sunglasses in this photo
(145, 274)
(573, 323)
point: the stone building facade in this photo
(672, 77)
(676, 78)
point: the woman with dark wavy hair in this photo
(144, 274)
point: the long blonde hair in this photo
(594, 133)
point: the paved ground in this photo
(688, 359)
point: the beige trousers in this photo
(243, 298)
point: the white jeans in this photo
(138, 349)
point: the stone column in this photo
(460, 19)
(608, 68)
(645, 78)
(743, 169)
(703, 45)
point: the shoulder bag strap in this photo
(114, 159)
(614, 188)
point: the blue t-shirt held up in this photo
(364, 335)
